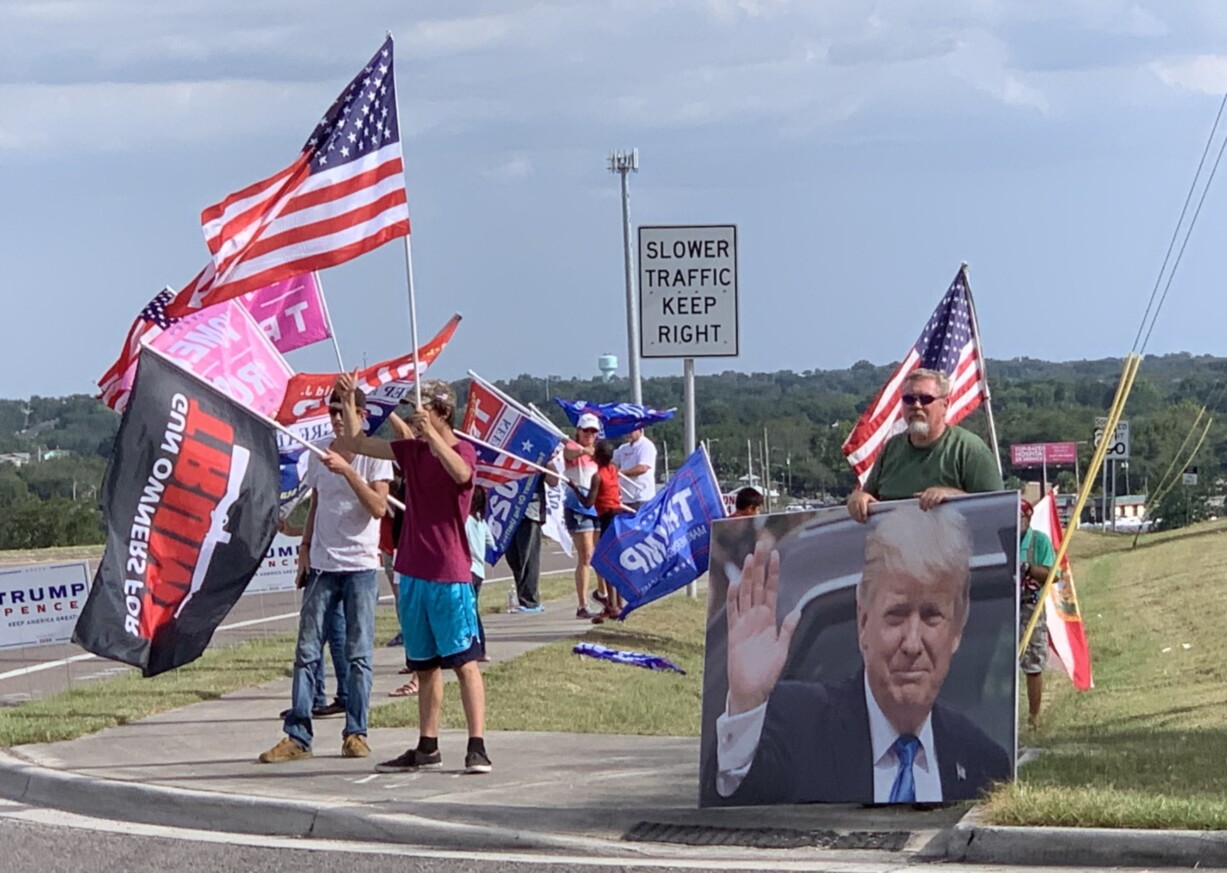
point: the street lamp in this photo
(623, 163)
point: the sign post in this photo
(1117, 451)
(688, 301)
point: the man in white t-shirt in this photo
(337, 563)
(636, 460)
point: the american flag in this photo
(116, 382)
(343, 196)
(495, 468)
(946, 344)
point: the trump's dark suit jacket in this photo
(815, 748)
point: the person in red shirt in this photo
(605, 495)
(438, 612)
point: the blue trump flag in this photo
(665, 545)
(617, 419)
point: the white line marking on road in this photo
(366, 779)
(45, 665)
(758, 860)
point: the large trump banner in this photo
(862, 663)
(664, 546)
(190, 503)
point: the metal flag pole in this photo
(988, 396)
(413, 307)
(332, 331)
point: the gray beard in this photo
(918, 428)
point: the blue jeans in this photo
(358, 591)
(334, 636)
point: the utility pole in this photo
(623, 163)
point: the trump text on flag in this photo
(688, 291)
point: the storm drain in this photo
(765, 838)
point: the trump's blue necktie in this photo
(904, 789)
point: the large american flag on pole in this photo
(344, 195)
(948, 344)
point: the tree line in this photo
(806, 417)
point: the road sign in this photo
(1189, 476)
(688, 291)
(1118, 450)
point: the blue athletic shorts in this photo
(438, 621)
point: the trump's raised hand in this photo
(757, 647)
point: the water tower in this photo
(608, 365)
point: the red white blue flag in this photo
(343, 196)
(947, 344)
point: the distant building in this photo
(17, 459)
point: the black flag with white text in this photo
(190, 502)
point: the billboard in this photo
(1044, 454)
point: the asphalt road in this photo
(31, 673)
(48, 841)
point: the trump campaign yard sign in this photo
(39, 603)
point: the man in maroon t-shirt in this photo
(437, 610)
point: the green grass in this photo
(92, 706)
(551, 689)
(1144, 748)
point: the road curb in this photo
(118, 800)
(975, 842)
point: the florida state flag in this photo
(190, 502)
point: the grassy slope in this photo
(1144, 747)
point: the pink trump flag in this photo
(291, 312)
(224, 346)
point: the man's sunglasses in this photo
(922, 399)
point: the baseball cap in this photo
(438, 391)
(1027, 508)
(588, 421)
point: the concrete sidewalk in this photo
(596, 794)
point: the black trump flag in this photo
(190, 503)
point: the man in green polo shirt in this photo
(931, 460)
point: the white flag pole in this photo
(988, 397)
(332, 331)
(527, 463)
(275, 425)
(413, 307)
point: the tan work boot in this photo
(286, 750)
(354, 746)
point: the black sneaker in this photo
(334, 708)
(477, 762)
(413, 760)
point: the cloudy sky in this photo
(863, 149)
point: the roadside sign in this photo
(1040, 454)
(1118, 450)
(688, 291)
(40, 603)
(279, 567)
(1189, 476)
